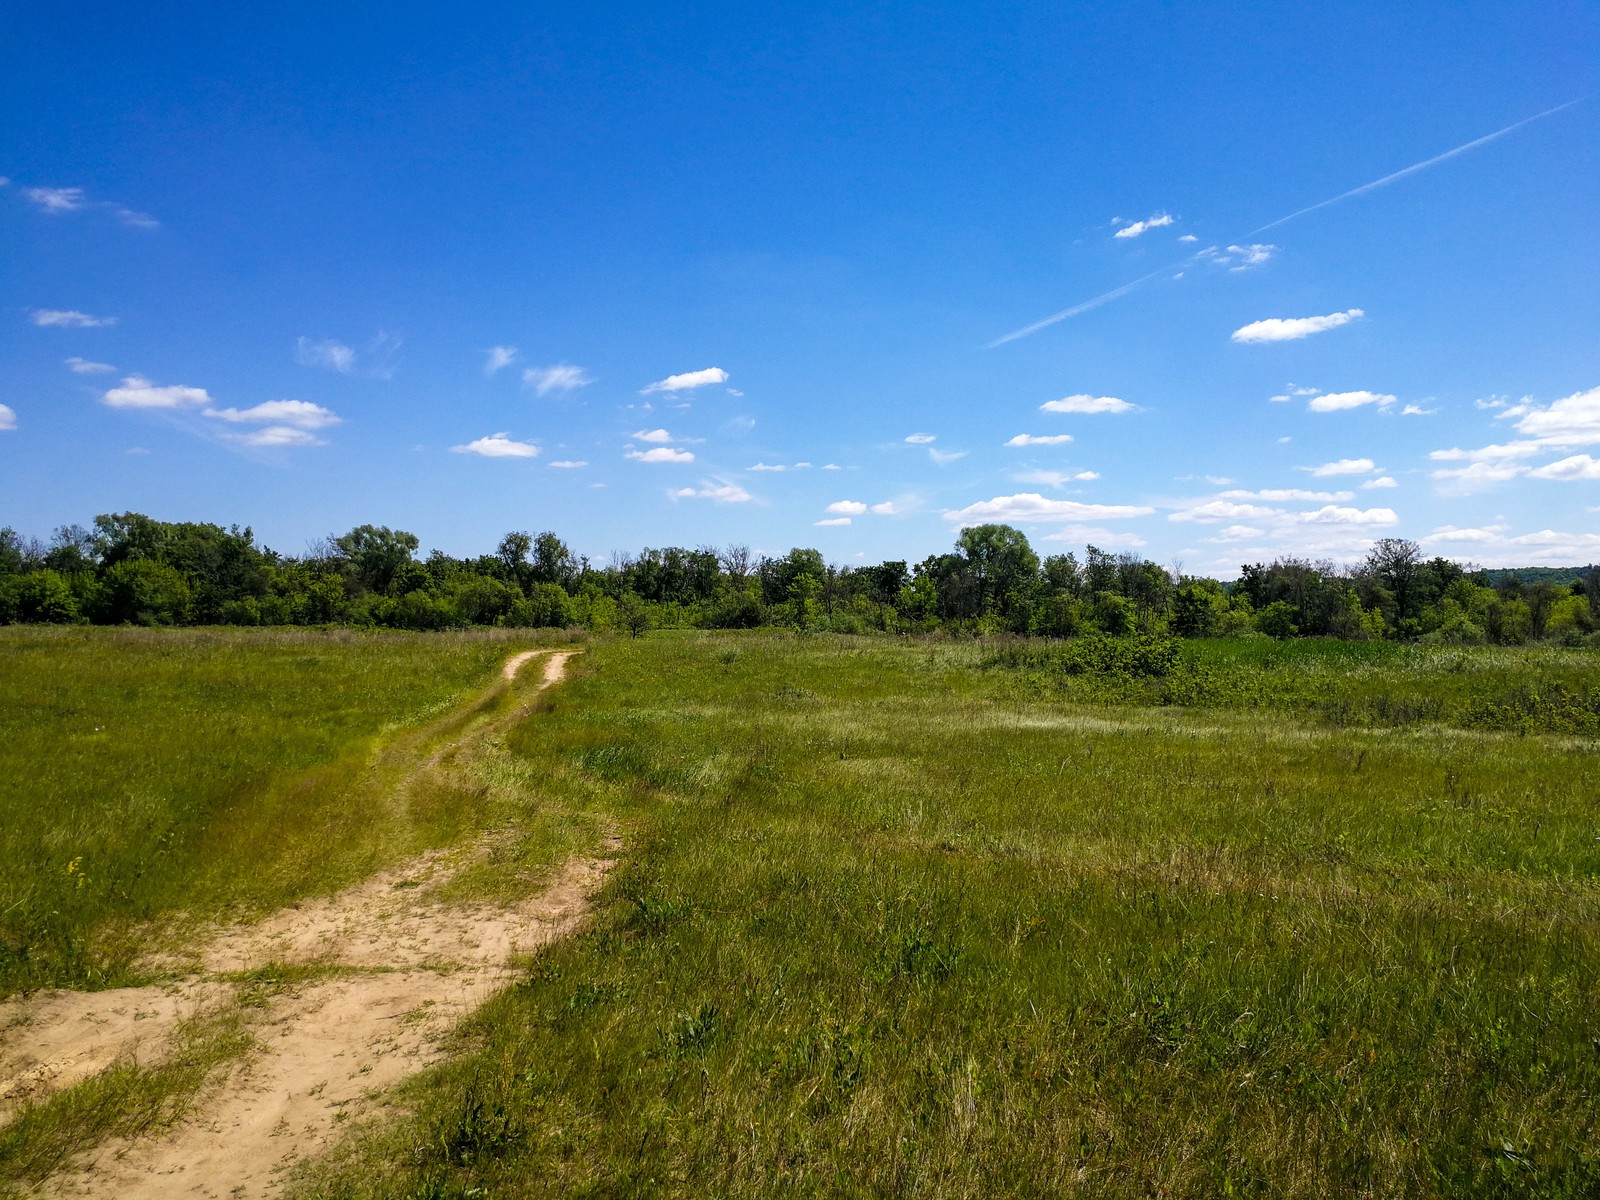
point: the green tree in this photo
(1001, 565)
(42, 597)
(374, 554)
(145, 592)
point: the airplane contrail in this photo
(1421, 166)
(1115, 293)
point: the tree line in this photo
(133, 569)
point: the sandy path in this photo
(411, 966)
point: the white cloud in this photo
(1137, 227)
(920, 439)
(656, 436)
(72, 199)
(1048, 439)
(1343, 466)
(1495, 546)
(686, 381)
(1571, 421)
(1223, 510)
(1240, 258)
(275, 436)
(1055, 479)
(833, 521)
(1578, 466)
(138, 392)
(847, 507)
(1498, 453)
(1280, 495)
(1416, 410)
(498, 445)
(1187, 238)
(1382, 481)
(335, 356)
(1285, 440)
(1288, 329)
(498, 357)
(941, 457)
(722, 493)
(781, 467)
(68, 318)
(1476, 476)
(1030, 506)
(1338, 401)
(569, 464)
(563, 377)
(886, 508)
(1106, 539)
(83, 366)
(57, 200)
(662, 454)
(1334, 514)
(832, 467)
(1081, 403)
(8, 418)
(301, 414)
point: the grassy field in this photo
(149, 775)
(931, 918)
(895, 920)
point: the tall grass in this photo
(891, 924)
(146, 775)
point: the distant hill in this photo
(1560, 576)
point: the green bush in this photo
(145, 592)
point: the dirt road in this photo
(398, 969)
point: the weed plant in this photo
(889, 923)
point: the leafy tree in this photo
(374, 554)
(1396, 564)
(1277, 620)
(633, 614)
(145, 592)
(553, 562)
(43, 597)
(1000, 564)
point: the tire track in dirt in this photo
(405, 967)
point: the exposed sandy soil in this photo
(409, 967)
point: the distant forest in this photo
(132, 569)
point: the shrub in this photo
(146, 592)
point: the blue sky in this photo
(463, 270)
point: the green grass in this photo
(916, 918)
(889, 924)
(1542, 689)
(154, 777)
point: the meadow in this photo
(942, 918)
(151, 775)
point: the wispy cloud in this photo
(1086, 404)
(1048, 439)
(1476, 477)
(138, 392)
(57, 200)
(1289, 329)
(8, 418)
(1239, 258)
(569, 464)
(83, 366)
(1135, 228)
(1027, 507)
(1339, 401)
(943, 458)
(722, 493)
(687, 381)
(1496, 453)
(1343, 466)
(301, 414)
(655, 436)
(1382, 481)
(1054, 479)
(848, 508)
(1495, 545)
(779, 468)
(497, 358)
(920, 439)
(325, 352)
(498, 445)
(1282, 495)
(68, 318)
(661, 454)
(563, 377)
(275, 437)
